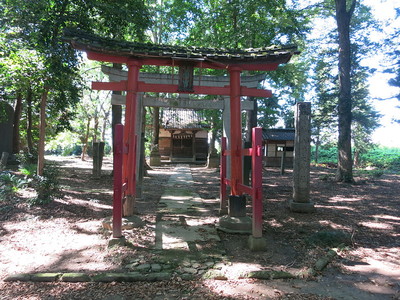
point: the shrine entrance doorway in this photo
(182, 145)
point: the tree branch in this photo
(352, 8)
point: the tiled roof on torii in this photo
(93, 43)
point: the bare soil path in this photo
(66, 235)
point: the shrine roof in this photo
(277, 134)
(93, 43)
(177, 118)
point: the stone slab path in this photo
(183, 222)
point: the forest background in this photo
(42, 76)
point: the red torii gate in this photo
(135, 55)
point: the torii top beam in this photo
(110, 50)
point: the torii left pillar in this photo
(129, 159)
(235, 131)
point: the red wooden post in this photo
(134, 163)
(117, 199)
(236, 130)
(129, 136)
(256, 181)
(222, 192)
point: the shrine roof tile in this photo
(89, 42)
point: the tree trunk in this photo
(104, 126)
(357, 158)
(85, 142)
(317, 143)
(42, 131)
(17, 118)
(116, 114)
(96, 126)
(213, 139)
(29, 138)
(345, 163)
(156, 126)
(142, 152)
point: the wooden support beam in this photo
(110, 86)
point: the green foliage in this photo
(47, 186)
(33, 57)
(369, 173)
(10, 184)
(325, 154)
(29, 170)
(382, 158)
(26, 158)
(66, 143)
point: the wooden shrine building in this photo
(183, 136)
(278, 145)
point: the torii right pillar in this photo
(301, 163)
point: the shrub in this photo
(26, 158)
(47, 186)
(10, 184)
(28, 170)
(383, 158)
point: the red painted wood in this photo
(244, 189)
(117, 171)
(247, 151)
(222, 188)
(256, 181)
(251, 92)
(110, 86)
(130, 117)
(236, 131)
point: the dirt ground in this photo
(66, 235)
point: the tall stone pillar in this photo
(301, 164)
